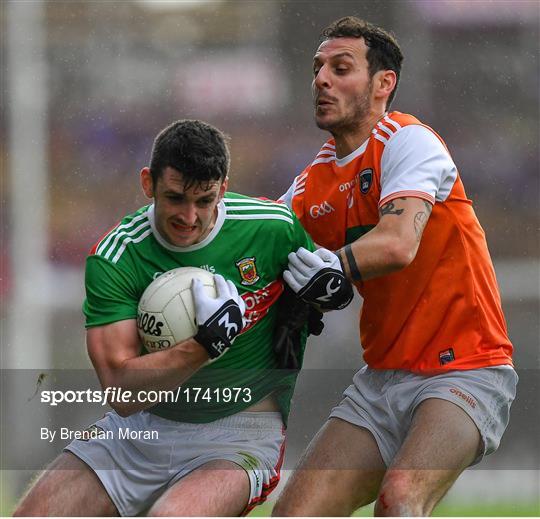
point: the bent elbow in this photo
(401, 255)
(123, 410)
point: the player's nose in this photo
(188, 214)
(322, 79)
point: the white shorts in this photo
(384, 401)
(136, 471)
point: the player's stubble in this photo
(359, 110)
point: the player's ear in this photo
(147, 183)
(223, 187)
(384, 82)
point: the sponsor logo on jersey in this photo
(446, 356)
(320, 210)
(258, 303)
(366, 178)
(464, 396)
(209, 268)
(248, 271)
(348, 185)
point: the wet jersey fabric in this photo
(443, 311)
(248, 245)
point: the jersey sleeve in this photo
(294, 197)
(300, 237)
(415, 163)
(110, 294)
(287, 197)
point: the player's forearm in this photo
(376, 254)
(159, 371)
(392, 244)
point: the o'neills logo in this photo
(469, 399)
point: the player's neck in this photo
(352, 138)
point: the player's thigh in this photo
(218, 488)
(340, 471)
(442, 442)
(67, 487)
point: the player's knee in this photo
(30, 506)
(284, 507)
(397, 496)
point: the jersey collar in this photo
(351, 156)
(357, 152)
(196, 246)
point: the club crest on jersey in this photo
(446, 356)
(248, 271)
(366, 177)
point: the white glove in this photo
(317, 278)
(219, 319)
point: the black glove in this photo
(318, 279)
(292, 315)
(219, 319)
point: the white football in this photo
(166, 313)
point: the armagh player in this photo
(192, 468)
(385, 195)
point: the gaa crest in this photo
(248, 271)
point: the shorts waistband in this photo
(271, 420)
(263, 420)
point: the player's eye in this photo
(205, 202)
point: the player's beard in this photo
(359, 110)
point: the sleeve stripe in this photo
(326, 153)
(324, 160)
(258, 217)
(124, 236)
(396, 125)
(381, 138)
(103, 244)
(264, 203)
(273, 208)
(407, 194)
(128, 240)
(385, 129)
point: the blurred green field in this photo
(443, 510)
(448, 510)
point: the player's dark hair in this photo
(196, 149)
(383, 49)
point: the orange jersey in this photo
(441, 312)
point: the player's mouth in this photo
(324, 102)
(182, 229)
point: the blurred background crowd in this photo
(114, 73)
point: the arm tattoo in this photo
(389, 208)
(420, 220)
